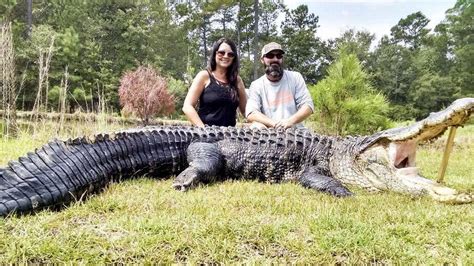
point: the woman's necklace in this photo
(220, 77)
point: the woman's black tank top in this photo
(217, 106)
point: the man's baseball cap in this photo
(273, 46)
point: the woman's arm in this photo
(192, 98)
(242, 95)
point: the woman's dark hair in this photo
(233, 70)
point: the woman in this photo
(218, 89)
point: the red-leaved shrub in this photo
(145, 93)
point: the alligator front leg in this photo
(205, 164)
(311, 178)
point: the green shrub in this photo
(178, 89)
(346, 103)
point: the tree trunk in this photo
(29, 17)
(255, 40)
(225, 13)
(204, 39)
(62, 98)
(8, 84)
(249, 46)
(238, 28)
(44, 60)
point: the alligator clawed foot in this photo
(183, 187)
(340, 192)
(186, 180)
(449, 195)
(179, 187)
(464, 198)
(458, 198)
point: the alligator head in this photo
(386, 160)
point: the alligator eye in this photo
(377, 159)
(372, 159)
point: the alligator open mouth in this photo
(404, 140)
(402, 156)
(403, 143)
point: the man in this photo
(280, 98)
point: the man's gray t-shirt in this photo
(279, 100)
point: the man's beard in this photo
(274, 70)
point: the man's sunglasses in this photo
(229, 54)
(271, 56)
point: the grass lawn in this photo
(145, 220)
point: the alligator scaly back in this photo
(63, 171)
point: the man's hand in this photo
(298, 117)
(284, 123)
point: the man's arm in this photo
(254, 106)
(296, 118)
(303, 100)
(256, 116)
(302, 95)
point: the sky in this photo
(375, 16)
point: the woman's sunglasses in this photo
(272, 55)
(229, 54)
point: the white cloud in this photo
(293, 2)
(375, 16)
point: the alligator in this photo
(61, 172)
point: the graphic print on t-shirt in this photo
(281, 98)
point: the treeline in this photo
(91, 44)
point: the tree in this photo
(433, 88)
(393, 75)
(42, 39)
(8, 86)
(411, 30)
(251, 42)
(197, 17)
(430, 93)
(29, 17)
(269, 12)
(255, 40)
(145, 93)
(459, 21)
(356, 42)
(101, 40)
(7, 10)
(246, 30)
(97, 41)
(302, 46)
(346, 103)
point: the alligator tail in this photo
(63, 171)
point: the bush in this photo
(346, 103)
(178, 89)
(145, 93)
(53, 95)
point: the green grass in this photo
(145, 221)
